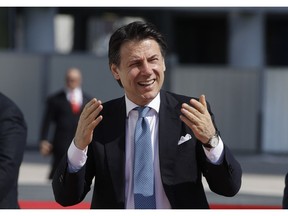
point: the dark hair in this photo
(137, 30)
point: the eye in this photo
(153, 59)
(134, 64)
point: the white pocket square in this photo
(184, 139)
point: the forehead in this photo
(73, 73)
(136, 47)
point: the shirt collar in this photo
(76, 91)
(154, 104)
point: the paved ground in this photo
(262, 182)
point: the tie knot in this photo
(143, 111)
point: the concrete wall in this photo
(21, 81)
(275, 125)
(233, 99)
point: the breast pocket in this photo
(186, 163)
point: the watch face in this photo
(214, 142)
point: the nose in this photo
(146, 68)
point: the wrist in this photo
(212, 142)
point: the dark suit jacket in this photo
(285, 194)
(13, 134)
(58, 113)
(181, 166)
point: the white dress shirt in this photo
(75, 95)
(77, 157)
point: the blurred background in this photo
(236, 56)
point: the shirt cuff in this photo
(215, 155)
(76, 158)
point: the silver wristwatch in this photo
(213, 142)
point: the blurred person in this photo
(62, 112)
(183, 141)
(13, 135)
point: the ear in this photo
(115, 71)
(164, 66)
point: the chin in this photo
(149, 96)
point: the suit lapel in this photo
(65, 102)
(169, 133)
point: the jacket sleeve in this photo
(13, 134)
(47, 119)
(69, 188)
(224, 179)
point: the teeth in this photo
(147, 82)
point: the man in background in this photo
(62, 111)
(13, 135)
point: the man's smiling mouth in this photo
(146, 83)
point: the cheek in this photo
(160, 66)
(132, 74)
(126, 78)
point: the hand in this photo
(45, 148)
(198, 119)
(88, 120)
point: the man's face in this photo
(141, 70)
(73, 79)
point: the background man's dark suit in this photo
(59, 113)
(181, 165)
(13, 134)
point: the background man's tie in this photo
(144, 197)
(74, 104)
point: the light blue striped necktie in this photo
(144, 196)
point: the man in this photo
(62, 111)
(184, 138)
(13, 134)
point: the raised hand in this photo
(197, 117)
(88, 120)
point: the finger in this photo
(186, 121)
(92, 116)
(202, 100)
(190, 112)
(87, 108)
(199, 105)
(84, 132)
(92, 101)
(90, 108)
(95, 122)
(190, 124)
(198, 131)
